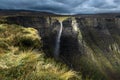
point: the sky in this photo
(64, 6)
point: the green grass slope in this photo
(21, 57)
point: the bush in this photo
(27, 43)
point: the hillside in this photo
(21, 57)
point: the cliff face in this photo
(90, 45)
(101, 41)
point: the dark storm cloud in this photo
(50, 9)
(63, 6)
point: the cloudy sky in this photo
(64, 6)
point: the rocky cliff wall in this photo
(88, 44)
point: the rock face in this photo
(101, 37)
(88, 44)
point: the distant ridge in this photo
(9, 12)
(12, 12)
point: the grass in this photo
(32, 66)
(60, 19)
(21, 57)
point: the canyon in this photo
(86, 43)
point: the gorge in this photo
(89, 44)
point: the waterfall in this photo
(57, 42)
(57, 45)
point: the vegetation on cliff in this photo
(21, 57)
